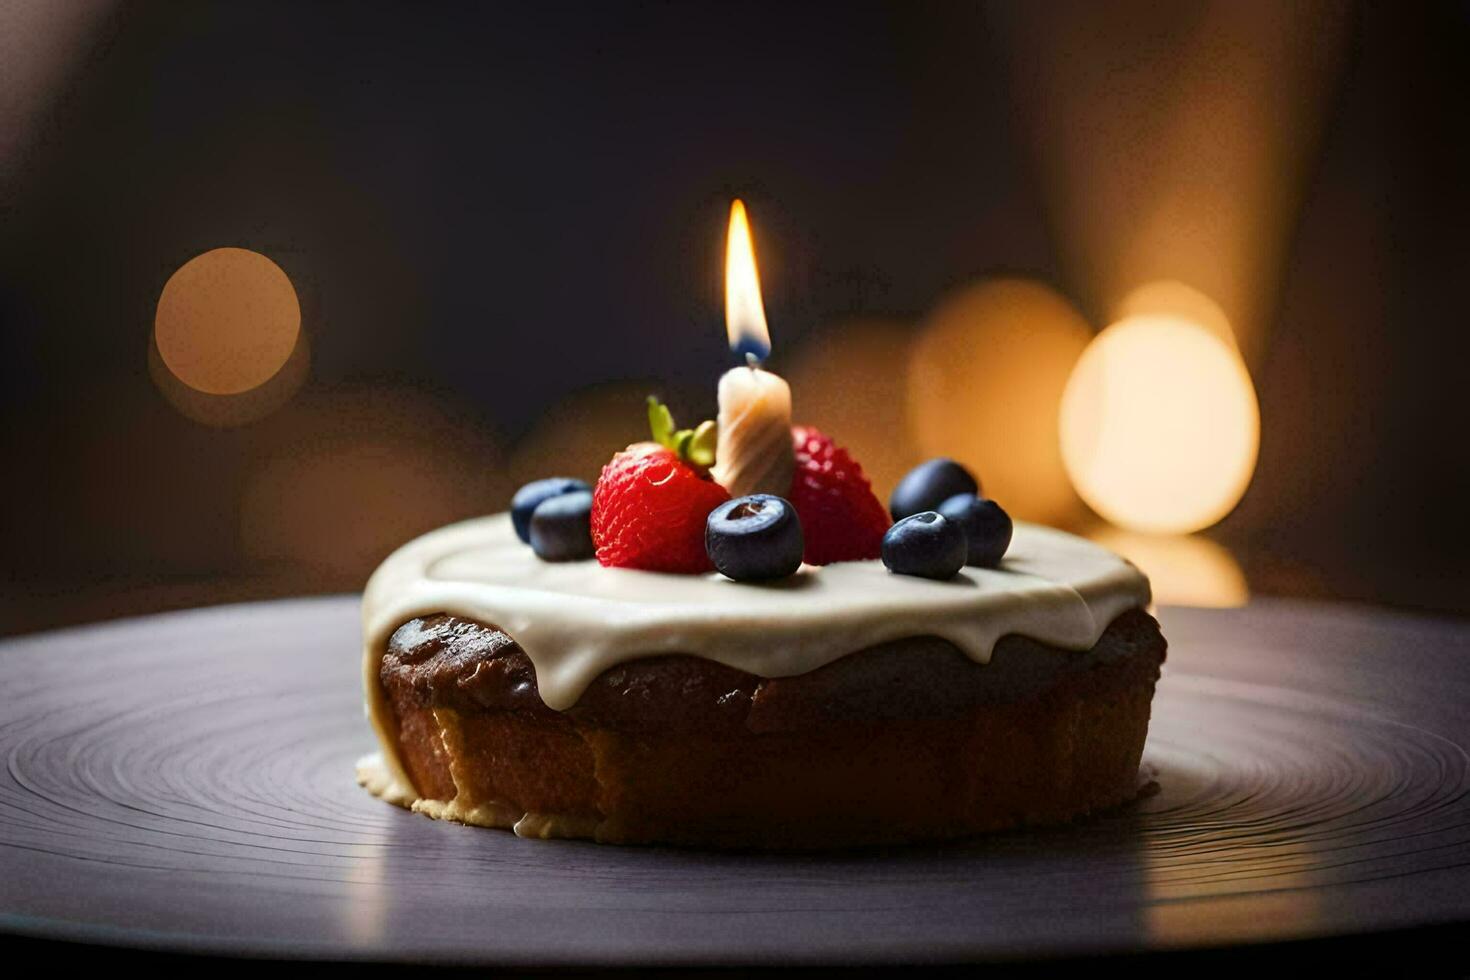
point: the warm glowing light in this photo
(1183, 569)
(1170, 297)
(1205, 174)
(745, 313)
(984, 385)
(227, 321)
(226, 411)
(1159, 425)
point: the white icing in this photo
(373, 776)
(575, 620)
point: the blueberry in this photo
(528, 496)
(926, 544)
(755, 538)
(561, 527)
(928, 485)
(987, 527)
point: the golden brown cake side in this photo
(902, 742)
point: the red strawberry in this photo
(651, 503)
(840, 517)
(649, 509)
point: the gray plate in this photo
(184, 782)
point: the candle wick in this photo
(751, 361)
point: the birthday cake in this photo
(654, 659)
(729, 641)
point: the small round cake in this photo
(842, 705)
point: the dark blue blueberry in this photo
(755, 538)
(926, 544)
(561, 527)
(987, 527)
(928, 485)
(530, 495)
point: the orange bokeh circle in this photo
(227, 321)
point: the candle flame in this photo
(745, 313)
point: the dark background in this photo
(488, 209)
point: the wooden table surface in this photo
(184, 782)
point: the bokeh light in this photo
(227, 321)
(223, 411)
(849, 383)
(984, 385)
(1160, 426)
(1198, 178)
(1184, 569)
(1170, 297)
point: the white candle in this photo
(753, 451)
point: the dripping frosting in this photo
(575, 620)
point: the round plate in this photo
(185, 782)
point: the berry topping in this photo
(754, 538)
(528, 497)
(926, 544)
(561, 527)
(840, 517)
(650, 504)
(987, 527)
(928, 485)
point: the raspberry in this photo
(649, 510)
(840, 517)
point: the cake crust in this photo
(903, 741)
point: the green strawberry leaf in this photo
(696, 446)
(701, 447)
(661, 422)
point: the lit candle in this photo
(753, 452)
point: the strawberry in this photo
(650, 505)
(840, 517)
